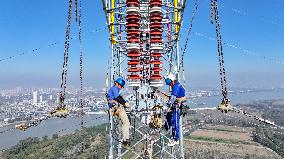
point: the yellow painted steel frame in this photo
(112, 16)
(176, 15)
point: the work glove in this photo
(126, 104)
(111, 105)
(183, 110)
(111, 111)
(169, 105)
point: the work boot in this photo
(173, 143)
(166, 126)
(125, 143)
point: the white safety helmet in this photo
(170, 78)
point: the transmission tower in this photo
(144, 37)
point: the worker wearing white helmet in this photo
(173, 117)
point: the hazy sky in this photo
(254, 26)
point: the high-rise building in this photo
(40, 99)
(57, 98)
(35, 97)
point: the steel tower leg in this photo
(181, 148)
(110, 115)
(177, 62)
(110, 156)
(162, 146)
(119, 147)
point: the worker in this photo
(116, 107)
(173, 116)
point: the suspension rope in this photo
(194, 13)
(215, 19)
(63, 84)
(76, 11)
(81, 63)
(65, 62)
(81, 69)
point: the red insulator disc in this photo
(133, 40)
(157, 3)
(133, 69)
(132, 25)
(133, 62)
(156, 55)
(156, 18)
(132, 16)
(134, 77)
(156, 62)
(156, 40)
(133, 54)
(156, 33)
(132, 3)
(133, 32)
(133, 36)
(156, 25)
(156, 77)
(132, 20)
(156, 69)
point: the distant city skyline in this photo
(32, 25)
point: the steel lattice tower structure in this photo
(144, 37)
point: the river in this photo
(48, 128)
(238, 98)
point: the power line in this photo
(36, 51)
(242, 12)
(245, 51)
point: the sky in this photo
(253, 28)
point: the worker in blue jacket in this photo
(116, 107)
(173, 117)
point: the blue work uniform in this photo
(177, 92)
(173, 117)
(112, 95)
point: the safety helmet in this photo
(170, 78)
(120, 81)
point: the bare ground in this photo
(228, 135)
(219, 141)
(205, 149)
